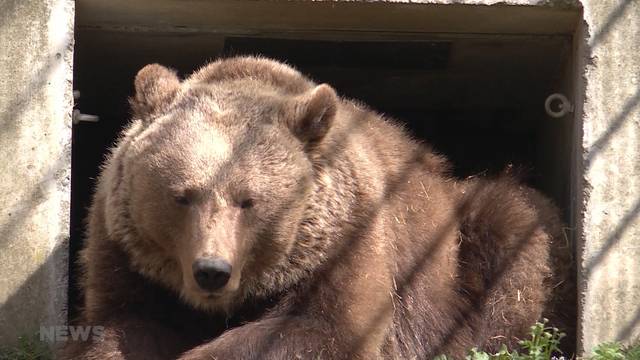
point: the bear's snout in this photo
(211, 273)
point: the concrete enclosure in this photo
(36, 54)
(470, 78)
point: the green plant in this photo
(608, 351)
(26, 348)
(633, 352)
(544, 345)
(544, 342)
(615, 351)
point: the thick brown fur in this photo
(357, 243)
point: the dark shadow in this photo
(31, 95)
(6, 9)
(34, 303)
(614, 126)
(611, 20)
(43, 292)
(613, 239)
(629, 328)
(20, 215)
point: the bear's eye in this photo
(182, 200)
(246, 204)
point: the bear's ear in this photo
(155, 88)
(313, 113)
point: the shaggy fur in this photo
(347, 238)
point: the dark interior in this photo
(479, 99)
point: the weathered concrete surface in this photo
(36, 52)
(609, 227)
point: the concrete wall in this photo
(36, 50)
(609, 164)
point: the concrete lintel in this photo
(256, 17)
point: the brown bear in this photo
(249, 213)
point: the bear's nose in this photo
(211, 273)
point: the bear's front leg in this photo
(126, 338)
(287, 337)
(333, 321)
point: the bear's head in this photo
(218, 172)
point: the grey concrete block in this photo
(36, 50)
(608, 164)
